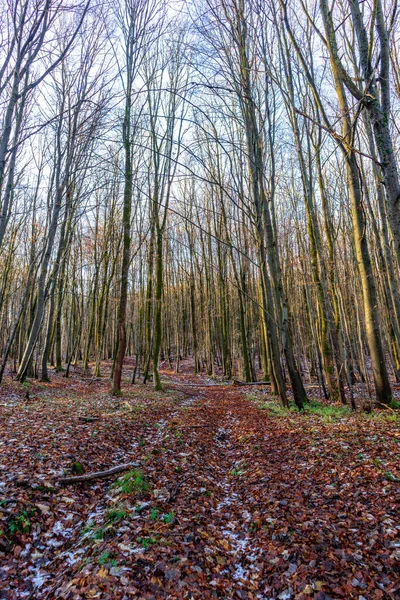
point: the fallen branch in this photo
(312, 386)
(97, 475)
(381, 586)
(88, 419)
(207, 385)
(175, 490)
(226, 383)
(237, 382)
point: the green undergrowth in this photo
(132, 482)
(390, 416)
(329, 413)
(394, 405)
(275, 409)
(108, 528)
(17, 524)
(114, 515)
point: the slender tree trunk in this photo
(126, 249)
(382, 385)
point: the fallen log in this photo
(206, 385)
(312, 386)
(97, 475)
(223, 384)
(237, 382)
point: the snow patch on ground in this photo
(72, 556)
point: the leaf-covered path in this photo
(227, 501)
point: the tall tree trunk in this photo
(126, 246)
(381, 379)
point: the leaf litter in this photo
(229, 500)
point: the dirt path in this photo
(235, 503)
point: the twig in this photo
(382, 587)
(174, 492)
(97, 475)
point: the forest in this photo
(199, 299)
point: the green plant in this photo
(385, 416)
(132, 482)
(20, 523)
(274, 408)
(98, 534)
(328, 412)
(88, 527)
(45, 488)
(103, 558)
(168, 518)
(395, 405)
(237, 472)
(114, 515)
(390, 477)
(154, 514)
(77, 468)
(146, 542)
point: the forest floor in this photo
(230, 497)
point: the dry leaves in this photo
(237, 503)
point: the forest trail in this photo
(229, 499)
